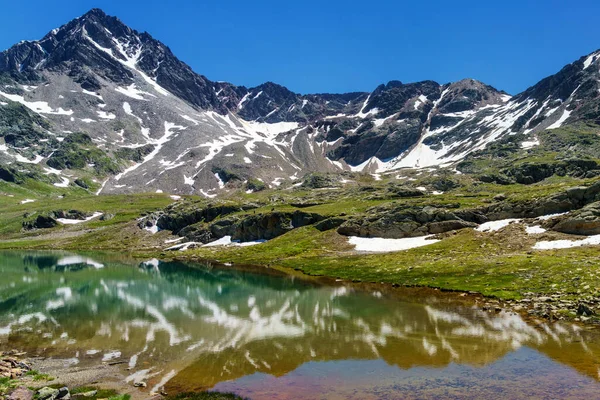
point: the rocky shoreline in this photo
(23, 377)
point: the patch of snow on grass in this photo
(174, 240)
(226, 241)
(493, 226)
(67, 221)
(530, 143)
(181, 246)
(534, 230)
(22, 159)
(550, 216)
(27, 201)
(206, 194)
(152, 229)
(567, 244)
(63, 184)
(382, 245)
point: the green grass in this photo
(38, 376)
(498, 265)
(120, 397)
(6, 385)
(100, 393)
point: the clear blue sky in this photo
(339, 46)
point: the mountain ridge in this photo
(190, 128)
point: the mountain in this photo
(98, 104)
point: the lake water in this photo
(195, 327)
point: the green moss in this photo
(255, 185)
(77, 151)
(6, 385)
(134, 154)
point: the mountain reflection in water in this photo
(194, 328)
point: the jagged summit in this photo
(169, 128)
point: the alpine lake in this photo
(263, 334)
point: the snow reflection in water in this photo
(192, 328)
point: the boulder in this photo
(47, 393)
(41, 222)
(402, 222)
(270, 225)
(582, 222)
(71, 214)
(63, 393)
(177, 217)
(319, 181)
(584, 310)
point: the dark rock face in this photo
(207, 224)
(406, 112)
(402, 222)
(571, 199)
(330, 223)
(530, 173)
(319, 181)
(41, 222)
(175, 219)
(7, 174)
(269, 226)
(271, 103)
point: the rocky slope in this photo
(156, 125)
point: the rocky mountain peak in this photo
(138, 103)
(469, 94)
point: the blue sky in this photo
(339, 46)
